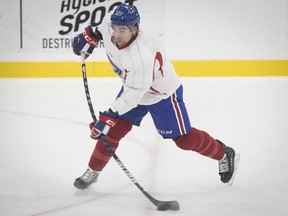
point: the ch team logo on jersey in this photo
(115, 68)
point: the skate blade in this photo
(236, 163)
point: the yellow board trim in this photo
(232, 68)
(183, 68)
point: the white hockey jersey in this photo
(146, 74)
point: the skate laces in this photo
(89, 176)
(224, 165)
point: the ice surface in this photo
(45, 145)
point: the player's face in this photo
(122, 34)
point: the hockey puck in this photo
(171, 205)
(162, 208)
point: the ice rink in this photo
(45, 145)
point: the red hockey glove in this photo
(86, 41)
(106, 120)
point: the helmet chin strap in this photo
(135, 29)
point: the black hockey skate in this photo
(88, 178)
(228, 165)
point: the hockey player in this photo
(150, 84)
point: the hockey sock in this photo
(201, 142)
(101, 156)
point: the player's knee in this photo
(119, 131)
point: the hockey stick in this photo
(161, 205)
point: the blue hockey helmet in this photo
(125, 15)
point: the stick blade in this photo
(168, 205)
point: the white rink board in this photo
(205, 30)
(49, 26)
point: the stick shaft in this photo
(85, 81)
